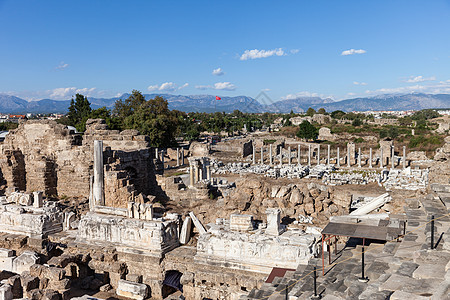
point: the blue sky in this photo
(53, 49)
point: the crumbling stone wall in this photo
(43, 155)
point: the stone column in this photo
(328, 157)
(270, 155)
(404, 157)
(191, 175)
(182, 156)
(273, 221)
(289, 155)
(262, 155)
(370, 158)
(381, 157)
(299, 162)
(156, 153)
(178, 157)
(99, 196)
(208, 172)
(348, 156)
(359, 157)
(338, 159)
(254, 154)
(281, 156)
(392, 158)
(309, 155)
(318, 154)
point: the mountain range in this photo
(207, 103)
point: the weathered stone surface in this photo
(158, 236)
(132, 290)
(24, 261)
(399, 295)
(6, 292)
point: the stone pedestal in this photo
(273, 221)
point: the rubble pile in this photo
(407, 179)
(345, 177)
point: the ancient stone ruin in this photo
(103, 215)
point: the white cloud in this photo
(414, 79)
(295, 51)
(218, 72)
(265, 90)
(63, 93)
(353, 51)
(255, 53)
(166, 87)
(227, 86)
(184, 86)
(351, 94)
(305, 94)
(443, 87)
(224, 86)
(62, 66)
(203, 87)
(299, 94)
(359, 83)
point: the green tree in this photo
(310, 112)
(152, 118)
(321, 111)
(307, 131)
(337, 114)
(357, 122)
(79, 111)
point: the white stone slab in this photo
(132, 290)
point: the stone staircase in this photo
(407, 269)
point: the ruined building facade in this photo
(46, 156)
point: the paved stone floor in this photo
(407, 269)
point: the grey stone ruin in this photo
(348, 156)
(254, 155)
(328, 157)
(281, 156)
(191, 175)
(318, 154)
(392, 158)
(359, 157)
(338, 159)
(178, 157)
(289, 155)
(404, 157)
(299, 156)
(273, 221)
(309, 155)
(199, 169)
(370, 158)
(381, 158)
(98, 197)
(270, 155)
(182, 157)
(262, 155)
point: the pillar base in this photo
(363, 279)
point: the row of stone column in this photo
(199, 169)
(349, 158)
(159, 154)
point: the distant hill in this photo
(207, 103)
